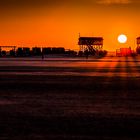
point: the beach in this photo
(70, 98)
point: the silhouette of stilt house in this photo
(138, 45)
(92, 44)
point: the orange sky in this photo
(59, 22)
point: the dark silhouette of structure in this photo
(47, 50)
(70, 52)
(42, 55)
(59, 50)
(92, 44)
(36, 51)
(7, 47)
(124, 52)
(86, 53)
(25, 51)
(138, 45)
(19, 52)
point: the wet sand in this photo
(43, 102)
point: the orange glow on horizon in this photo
(60, 26)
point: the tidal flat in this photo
(70, 99)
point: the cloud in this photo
(11, 4)
(21, 6)
(114, 1)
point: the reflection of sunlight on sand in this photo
(135, 67)
(128, 67)
(108, 66)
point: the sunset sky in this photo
(59, 22)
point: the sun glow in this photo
(122, 38)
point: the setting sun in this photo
(57, 23)
(122, 38)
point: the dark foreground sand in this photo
(70, 99)
(39, 107)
